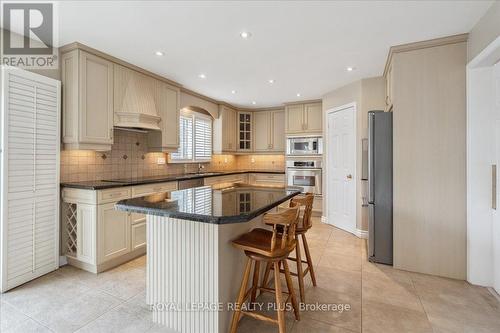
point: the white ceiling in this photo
(304, 46)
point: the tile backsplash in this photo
(129, 158)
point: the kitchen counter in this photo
(105, 184)
(193, 270)
(217, 204)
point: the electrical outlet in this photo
(161, 160)
(252, 160)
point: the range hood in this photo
(135, 106)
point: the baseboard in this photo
(356, 232)
(361, 233)
(63, 261)
(494, 293)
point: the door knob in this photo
(349, 176)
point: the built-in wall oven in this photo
(300, 146)
(306, 174)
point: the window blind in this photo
(195, 139)
(202, 138)
(185, 151)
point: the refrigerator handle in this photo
(371, 146)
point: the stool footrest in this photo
(295, 259)
(260, 316)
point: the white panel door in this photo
(29, 176)
(341, 160)
(496, 219)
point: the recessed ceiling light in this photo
(298, 94)
(245, 34)
(350, 69)
(159, 53)
(271, 81)
(233, 92)
(202, 76)
(254, 102)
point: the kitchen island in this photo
(193, 272)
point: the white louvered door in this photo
(29, 176)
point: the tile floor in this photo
(381, 298)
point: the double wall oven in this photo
(306, 174)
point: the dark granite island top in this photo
(214, 204)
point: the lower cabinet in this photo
(113, 233)
(138, 230)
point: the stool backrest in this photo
(287, 219)
(305, 201)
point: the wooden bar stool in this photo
(273, 248)
(305, 223)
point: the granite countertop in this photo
(105, 184)
(216, 204)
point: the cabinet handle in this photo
(111, 133)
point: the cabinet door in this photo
(228, 129)
(277, 131)
(96, 99)
(167, 104)
(245, 131)
(138, 231)
(113, 232)
(86, 233)
(313, 117)
(294, 118)
(262, 123)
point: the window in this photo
(195, 138)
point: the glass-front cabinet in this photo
(244, 131)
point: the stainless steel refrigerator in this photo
(380, 238)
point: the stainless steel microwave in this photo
(299, 146)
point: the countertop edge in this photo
(160, 180)
(123, 206)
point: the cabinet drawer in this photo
(112, 195)
(141, 190)
(238, 178)
(267, 178)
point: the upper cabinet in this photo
(87, 101)
(269, 131)
(304, 118)
(224, 131)
(245, 131)
(100, 92)
(134, 99)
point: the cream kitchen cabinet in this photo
(96, 236)
(269, 133)
(134, 99)
(113, 230)
(87, 101)
(245, 131)
(269, 179)
(236, 178)
(304, 118)
(224, 131)
(167, 101)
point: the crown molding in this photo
(454, 39)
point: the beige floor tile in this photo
(338, 280)
(380, 317)
(309, 326)
(10, 316)
(344, 309)
(28, 326)
(339, 261)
